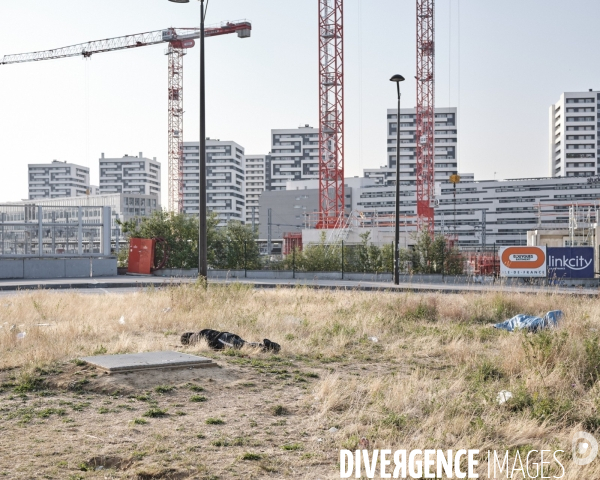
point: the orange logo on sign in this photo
(523, 257)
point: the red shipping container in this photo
(141, 255)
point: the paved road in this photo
(122, 284)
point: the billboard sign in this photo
(523, 262)
(571, 262)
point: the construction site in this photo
(429, 212)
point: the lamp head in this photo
(396, 78)
(180, 1)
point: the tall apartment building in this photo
(225, 179)
(130, 174)
(446, 144)
(574, 128)
(57, 180)
(294, 156)
(255, 184)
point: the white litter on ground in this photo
(21, 335)
(503, 397)
(373, 339)
(333, 430)
(122, 320)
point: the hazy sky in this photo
(515, 58)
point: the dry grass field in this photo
(430, 381)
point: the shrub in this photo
(278, 410)
(423, 311)
(292, 446)
(251, 456)
(394, 420)
(487, 372)
(214, 421)
(163, 389)
(155, 413)
(591, 367)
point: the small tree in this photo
(180, 232)
(434, 256)
(235, 247)
(319, 257)
(365, 257)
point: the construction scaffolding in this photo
(292, 241)
(580, 219)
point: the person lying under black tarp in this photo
(220, 340)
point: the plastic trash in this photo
(166, 310)
(531, 323)
(333, 430)
(582, 448)
(373, 339)
(122, 320)
(21, 335)
(503, 397)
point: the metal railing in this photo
(49, 231)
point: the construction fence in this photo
(40, 231)
(342, 257)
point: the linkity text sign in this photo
(571, 262)
(523, 262)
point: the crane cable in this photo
(458, 89)
(450, 56)
(360, 88)
(205, 10)
(86, 122)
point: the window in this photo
(580, 119)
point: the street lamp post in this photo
(397, 79)
(202, 233)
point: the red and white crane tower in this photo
(331, 113)
(178, 39)
(425, 115)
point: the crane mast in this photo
(425, 131)
(331, 113)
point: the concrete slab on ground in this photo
(133, 362)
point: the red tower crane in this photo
(425, 114)
(179, 39)
(331, 113)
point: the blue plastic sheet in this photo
(531, 323)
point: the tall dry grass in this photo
(430, 381)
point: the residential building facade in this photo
(57, 180)
(493, 212)
(294, 156)
(255, 172)
(129, 175)
(446, 147)
(225, 179)
(573, 135)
